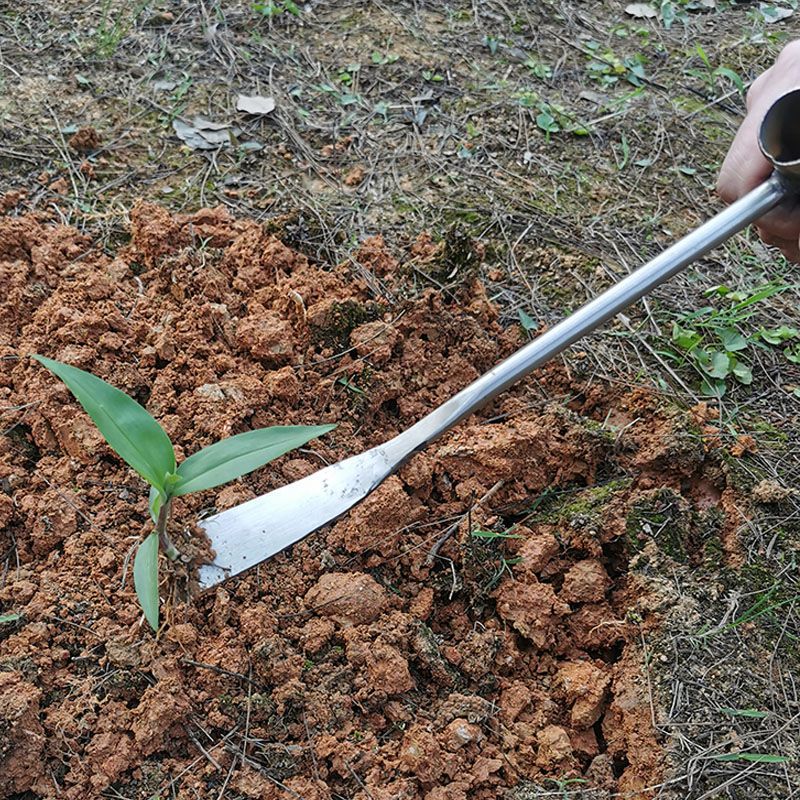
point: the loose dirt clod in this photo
(352, 665)
(85, 140)
(349, 598)
(23, 737)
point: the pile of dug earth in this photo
(379, 659)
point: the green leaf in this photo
(792, 354)
(223, 461)
(768, 290)
(732, 340)
(716, 365)
(348, 384)
(743, 374)
(685, 338)
(713, 388)
(667, 14)
(779, 334)
(145, 578)
(732, 76)
(547, 122)
(745, 712)
(698, 314)
(756, 758)
(481, 534)
(155, 502)
(129, 430)
(6, 618)
(527, 321)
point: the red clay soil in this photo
(355, 665)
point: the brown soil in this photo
(354, 665)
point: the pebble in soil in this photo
(354, 665)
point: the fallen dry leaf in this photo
(204, 134)
(773, 13)
(641, 10)
(255, 104)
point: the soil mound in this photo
(379, 659)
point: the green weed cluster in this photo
(719, 342)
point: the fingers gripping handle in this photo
(779, 137)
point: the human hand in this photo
(745, 167)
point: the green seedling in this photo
(564, 785)
(606, 68)
(347, 74)
(144, 445)
(112, 28)
(551, 117)
(489, 542)
(379, 59)
(503, 567)
(710, 75)
(8, 618)
(348, 384)
(345, 98)
(529, 324)
(765, 604)
(491, 43)
(623, 159)
(539, 69)
(773, 12)
(671, 11)
(546, 120)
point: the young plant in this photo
(144, 445)
(113, 26)
(607, 68)
(710, 76)
(563, 785)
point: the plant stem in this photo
(164, 540)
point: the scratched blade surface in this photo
(254, 531)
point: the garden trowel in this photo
(249, 533)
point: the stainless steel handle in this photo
(779, 139)
(630, 289)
